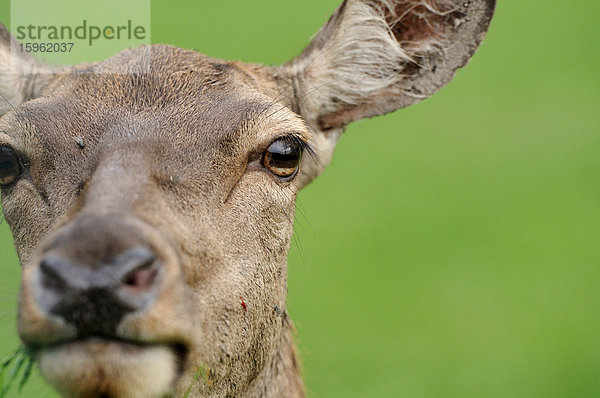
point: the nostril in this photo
(139, 268)
(142, 278)
(51, 269)
(93, 296)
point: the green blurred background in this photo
(452, 249)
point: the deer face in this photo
(156, 205)
(151, 196)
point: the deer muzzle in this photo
(94, 302)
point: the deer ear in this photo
(22, 77)
(376, 56)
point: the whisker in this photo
(8, 102)
(300, 209)
(277, 98)
(305, 97)
(300, 248)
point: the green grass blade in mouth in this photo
(8, 375)
(202, 372)
(26, 373)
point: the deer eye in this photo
(10, 166)
(283, 156)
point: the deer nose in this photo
(94, 300)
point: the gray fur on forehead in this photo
(159, 91)
(158, 76)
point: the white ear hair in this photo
(375, 56)
(362, 57)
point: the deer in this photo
(151, 196)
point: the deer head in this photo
(151, 196)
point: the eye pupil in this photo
(10, 167)
(282, 158)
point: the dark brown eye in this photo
(282, 157)
(10, 167)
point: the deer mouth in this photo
(103, 367)
(123, 345)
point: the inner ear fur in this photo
(22, 77)
(375, 56)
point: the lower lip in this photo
(97, 346)
(99, 349)
(97, 365)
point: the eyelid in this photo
(305, 146)
(10, 141)
(6, 139)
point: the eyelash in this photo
(306, 148)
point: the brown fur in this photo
(161, 146)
